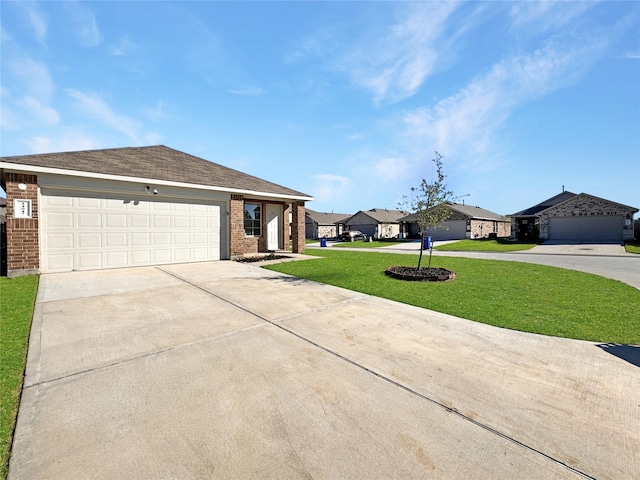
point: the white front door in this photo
(274, 213)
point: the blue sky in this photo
(344, 101)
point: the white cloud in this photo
(37, 20)
(549, 15)
(34, 77)
(467, 121)
(388, 170)
(328, 187)
(65, 142)
(40, 111)
(123, 48)
(84, 24)
(396, 63)
(248, 91)
(95, 107)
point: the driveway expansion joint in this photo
(387, 379)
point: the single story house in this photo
(466, 221)
(127, 207)
(321, 224)
(570, 217)
(377, 222)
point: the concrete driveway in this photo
(226, 370)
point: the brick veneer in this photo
(297, 227)
(23, 255)
(583, 205)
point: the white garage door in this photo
(83, 232)
(457, 230)
(586, 229)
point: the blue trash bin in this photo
(323, 242)
(426, 243)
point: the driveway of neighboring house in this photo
(226, 370)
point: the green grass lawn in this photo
(493, 245)
(17, 299)
(519, 296)
(632, 247)
(367, 244)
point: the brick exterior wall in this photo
(297, 227)
(585, 205)
(244, 245)
(23, 251)
(482, 228)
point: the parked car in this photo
(351, 235)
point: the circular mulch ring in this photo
(422, 275)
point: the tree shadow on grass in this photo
(629, 353)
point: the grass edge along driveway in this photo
(17, 301)
(519, 296)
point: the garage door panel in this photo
(585, 229)
(89, 240)
(113, 220)
(116, 259)
(80, 232)
(59, 220)
(140, 221)
(89, 261)
(89, 220)
(88, 203)
(60, 240)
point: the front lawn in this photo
(632, 247)
(484, 245)
(367, 244)
(519, 296)
(17, 299)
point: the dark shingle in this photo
(154, 163)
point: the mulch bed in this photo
(261, 258)
(422, 275)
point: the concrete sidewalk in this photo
(226, 370)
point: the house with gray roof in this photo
(324, 225)
(571, 217)
(377, 222)
(465, 221)
(139, 206)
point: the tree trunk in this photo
(430, 253)
(421, 250)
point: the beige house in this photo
(466, 221)
(377, 222)
(321, 224)
(141, 206)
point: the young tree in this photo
(429, 202)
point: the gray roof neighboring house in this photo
(469, 211)
(380, 215)
(322, 218)
(548, 203)
(155, 163)
(560, 199)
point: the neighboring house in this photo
(377, 222)
(128, 207)
(466, 221)
(575, 217)
(320, 224)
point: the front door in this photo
(274, 213)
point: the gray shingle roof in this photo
(322, 218)
(381, 215)
(466, 210)
(154, 163)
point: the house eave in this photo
(12, 167)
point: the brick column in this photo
(23, 249)
(236, 225)
(297, 227)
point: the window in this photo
(252, 219)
